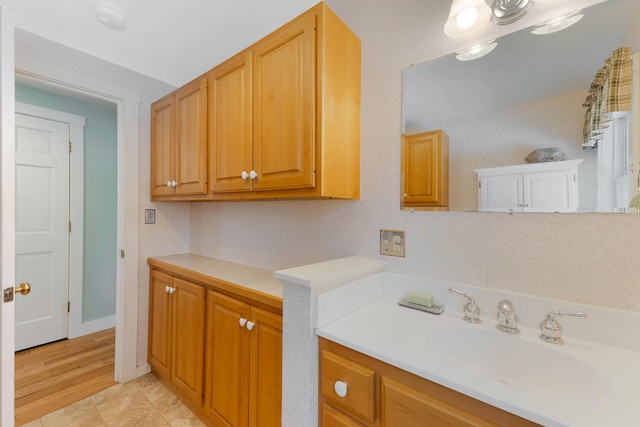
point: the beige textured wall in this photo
(586, 258)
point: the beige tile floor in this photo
(144, 402)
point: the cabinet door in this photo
(265, 403)
(284, 110)
(550, 192)
(160, 323)
(228, 347)
(191, 138)
(425, 169)
(230, 125)
(162, 137)
(500, 193)
(404, 406)
(188, 302)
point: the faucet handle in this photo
(471, 310)
(550, 329)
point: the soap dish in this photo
(434, 309)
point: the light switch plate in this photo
(392, 243)
(149, 216)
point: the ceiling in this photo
(169, 40)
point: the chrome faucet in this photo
(550, 329)
(507, 318)
(471, 310)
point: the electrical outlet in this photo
(392, 242)
(149, 216)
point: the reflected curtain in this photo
(610, 91)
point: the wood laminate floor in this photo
(52, 376)
(70, 383)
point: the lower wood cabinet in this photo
(244, 370)
(219, 354)
(176, 333)
(357, 390)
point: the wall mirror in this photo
(524, 95)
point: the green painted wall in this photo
(100, 196)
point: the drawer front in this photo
(331, 417)
(348, 385)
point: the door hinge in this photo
(121, 253)
(69, 146)
(479, 184)
(69, 226)
(68, 306)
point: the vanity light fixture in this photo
(557, 24)
(110, 16)
(505, 12)
(476, 51)
(466, 16)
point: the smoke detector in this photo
(110, 16)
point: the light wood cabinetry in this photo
(179, 142)
(535, 187)
(284, 116)
(425, 170)
(244, 373)
(379, 394)
(230, 125)
(232, 374)
(176, 338)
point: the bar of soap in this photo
(421, 298)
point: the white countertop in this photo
(365, 316)
(252, 278)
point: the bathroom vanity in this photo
(379, 363)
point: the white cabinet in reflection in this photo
(533, 187)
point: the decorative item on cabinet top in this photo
(253, 134)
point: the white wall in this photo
(586, 258)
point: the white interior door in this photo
(42, 229)
(7, 213)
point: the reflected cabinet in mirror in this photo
(535, 92)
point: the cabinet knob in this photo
(340, 388)
(174, 184)
(168, 183)
(253, 175)
(244, 175)
(242, 321)
(172, 290)
(250, 325)
(167, 289)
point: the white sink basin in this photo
(517, 361)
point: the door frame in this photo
(7, 212)
(127, 104)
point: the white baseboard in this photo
(143, 369)
(92, 326)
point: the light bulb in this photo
(467, 17)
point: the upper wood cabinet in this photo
(230, 138)
(179, 142)
(284, 116)
(425, 171)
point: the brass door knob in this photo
(24, 288)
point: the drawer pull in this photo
(340, 388)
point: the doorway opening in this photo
(68, 83)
